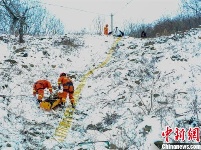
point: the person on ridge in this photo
(143, 34)
(38, 88)
(106, 29)
(68, 89)
(118, 33)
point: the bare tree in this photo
(189, 17)
(99, 24)
(53, 26)
(17, 11)
(192, 6)
(27, 17)
(4, 21)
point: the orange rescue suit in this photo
(68, 88)
(106, 30)
(39, 86)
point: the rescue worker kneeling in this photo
(68, 89)
(38, 88)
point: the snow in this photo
(115, 104)
(4, 51)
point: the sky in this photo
(81, 14)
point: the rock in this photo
(25, 55)
(163, 102)
(152, 48)
(147, 128)
(6, 40)
(182, 92)
(98, 127)
(149, 43)
(42, 39)
(53, 66)
(156, 72)
(46, 53)
(113, 146)
(156, 95)
(134, 60)
(31, 65)
(8, 145)
(11, 61)
(25, 66)
(140, 104)
(137, 82)
(132, 46)
(22, 49)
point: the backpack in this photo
(70, 87)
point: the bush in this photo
(164, 27)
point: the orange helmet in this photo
(62, 74)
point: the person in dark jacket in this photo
(143, 34)
(118, 33)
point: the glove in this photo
(59, 87)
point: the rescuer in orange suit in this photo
(106, 29)
(38, 88)
(68, 89)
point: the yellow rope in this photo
(62, 130)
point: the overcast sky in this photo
(79, 14)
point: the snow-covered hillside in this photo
(148, 84)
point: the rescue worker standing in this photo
(38, 88)
(106, 29)
(68, 88)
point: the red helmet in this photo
(62, 74)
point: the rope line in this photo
(123, 7)
(64, 125)
(82, 10)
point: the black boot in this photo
(73, 105)
(39, 101)
(63, 103)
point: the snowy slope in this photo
(147, 85)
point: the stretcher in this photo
(50, 102)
